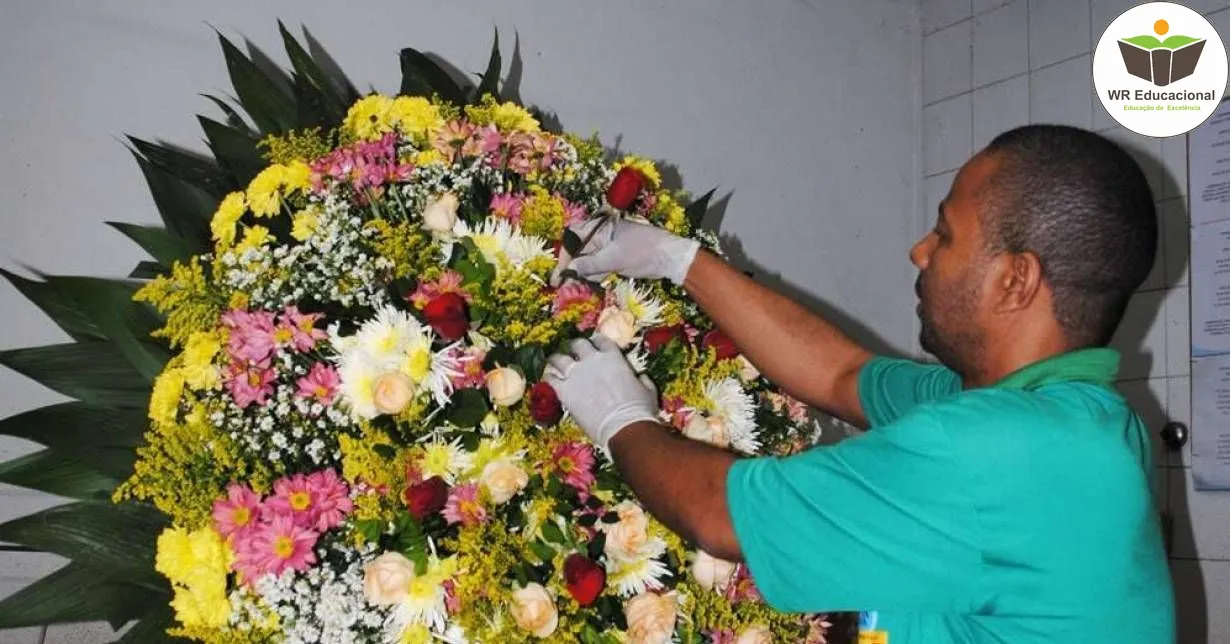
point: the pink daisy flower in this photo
(238, 513)
(490, 140)
(320, 383)
(578, 294)
(277, 546)
(294, 497)
(332, 499)
(250, 383)
(302, 328)
(506, 206)
(451, 138)
(575, 461)
(464, 507)
(252, 335)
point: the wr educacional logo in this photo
(1182, 82)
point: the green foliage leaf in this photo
(491, 78)
(92, 372)
(371, 529)
(421, 76)
(75, 593)
(56, 305)
(117, 538)
(596, 546)
(236, 150)
(54, 473)
(271, 108)
(544, 552)
(198, 170)
(158, 242)
(233, 118)
(552, 533)
(468, 408)
(695, 211)
(312, 83)
(185, 209)
(147, 270)
(532, 359)
(104, 437)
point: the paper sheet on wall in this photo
(1209, 167)
(1210, 291)
(1211, 420)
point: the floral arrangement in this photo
(348, 438)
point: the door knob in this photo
(1174, 435)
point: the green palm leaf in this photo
(116, 538)
(271, 108)
(77, 593)
(92, 372)
(104, 437)
(54, 473)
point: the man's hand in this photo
(598, 387)
(629, 249)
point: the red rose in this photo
(544, 404)
(625, 187)
(426, 498)
(446, 313)
(725, 347)
(658, 337)
(583, 578)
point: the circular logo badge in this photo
(1160, 69)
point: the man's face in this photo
(952, 262)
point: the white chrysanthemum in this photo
(358, 374)
(445, 460)
(497, 240)
(638, 357)
(736, 409)
(424, 602)
(389, 336)
(433, 372)
(639, 302)
(632, 577)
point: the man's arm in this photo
(793, 347)
(680, 481)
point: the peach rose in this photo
(505, 385)
(392, 391)
(651, 617)
(626, 539)
(618, 325)
(386, 580)
(534, 611)
(712, 573)
(441, 214)
(503, 479)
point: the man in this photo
(1002, 496)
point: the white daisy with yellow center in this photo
(445, 460)
(424, 601)
(640, 302)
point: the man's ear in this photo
(1017, 281)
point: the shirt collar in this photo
(1095, 365)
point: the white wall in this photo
(805, 112)
(990, 65)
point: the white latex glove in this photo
(629, 249)
(597, 385)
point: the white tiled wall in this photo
(1029, 61)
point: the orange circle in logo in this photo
(1161, 27)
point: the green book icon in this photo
(1161, 62)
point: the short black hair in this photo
(1082, 204)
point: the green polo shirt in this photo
(1018, 513)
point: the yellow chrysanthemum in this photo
(265, 191)
(415, 116)
(297, 176)
(416, 634)
(199, 370)
(370, 117)
(507, 117)
(646, 167)
(165, 397)
(305, 222)
(196, 563)
(222, 226)
(253, 237)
